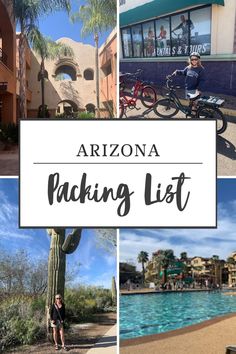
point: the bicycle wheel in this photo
(121, 109)
(213, 112)
(148, 96)
(165, 108)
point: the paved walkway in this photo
(226, 142)
(107, 344)
(211, 337)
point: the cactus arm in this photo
(72, 241)
(55, 231)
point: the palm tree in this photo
(183, 256)
(218, 265)
(27, 13)
(143, 258)
(231, 260)
(96, 16)
(165, 258)
(47, 49)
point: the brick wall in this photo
(221, 75)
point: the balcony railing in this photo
(3, 57)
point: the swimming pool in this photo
(141, 315)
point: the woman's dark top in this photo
(55, 315)
(194, 77)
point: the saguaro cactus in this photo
(113, 290)
(60, 246)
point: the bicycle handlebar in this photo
(169, 79)
(136, 74)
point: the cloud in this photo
(104, 279)
(110, 260)
(8, 210)
(9, 221)
(201, 242)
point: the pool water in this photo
(141, 315)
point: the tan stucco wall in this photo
(223, 26)
(108, 84)
(81, 91)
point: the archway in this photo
(65, 72)
(90, 108)
(89, 74)
(67, 108)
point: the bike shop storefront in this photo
(159, 36)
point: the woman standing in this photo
(194, 75)
(57, 321)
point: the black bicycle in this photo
(206, 106)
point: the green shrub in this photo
(38, 304)
(20, 323)
(9, 133)
(40, 112)
(83, 302)
(76, 115)
(87, 115)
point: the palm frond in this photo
(28, 12)
(96, 16)
(46, 47)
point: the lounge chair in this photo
(231, 349)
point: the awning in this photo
(158, 8)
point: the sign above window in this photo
(134, 11)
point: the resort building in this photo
(214, 270)
(155, 270)
(231, 263)
(158, 36)
(108, 74)
(71, 84)
(128, 273)
(70, 87)
(7, 63)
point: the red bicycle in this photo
(140, 90)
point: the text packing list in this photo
(110, 173)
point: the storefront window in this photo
(201, 33)
(137, 41)
(163, 37)
(149, 39)
(181, 26)
(175, 35)
(127, 45)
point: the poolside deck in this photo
(152, 291)
(211, 337)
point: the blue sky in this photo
(59, 25)
(196, 242)
(90, 264)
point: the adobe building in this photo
(70, 87)
(232, 270)
(158, 36)
(7, 64)
(108, 75)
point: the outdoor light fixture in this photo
(43, 74)
(3, 86)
